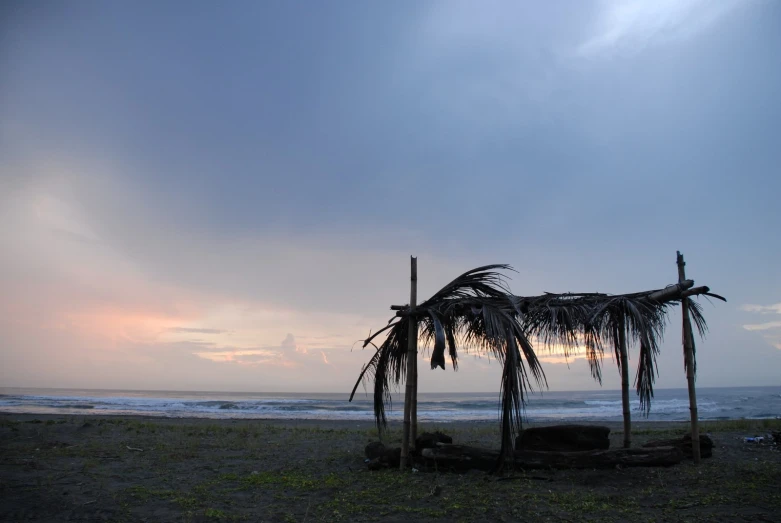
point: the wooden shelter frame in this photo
(478, 308)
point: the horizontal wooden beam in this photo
(695, 291)
(673, 292)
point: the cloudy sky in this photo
(197, 196)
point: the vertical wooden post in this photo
(412, 350)
(413, 437)
(624, 362)
(688, 354)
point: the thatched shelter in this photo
(477, 312)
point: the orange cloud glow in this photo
(119, 325)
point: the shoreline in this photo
(670, 406)
(343, 423)
(612, 423)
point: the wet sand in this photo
(123, 468)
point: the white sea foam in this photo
(596, 405)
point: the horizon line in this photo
(347, 393)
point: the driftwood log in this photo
(685, 444)
(380, 457)
(429, 440)
(564, 438)
(462, 458)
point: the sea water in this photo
(667, 404)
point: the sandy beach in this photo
(112, 468)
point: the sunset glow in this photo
(239, 212)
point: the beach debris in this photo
(375, 449)
(462, 458)
(134, 448)
(754, 439)
(685, 444)
(564, 438)
(380, 457)
(429, 440)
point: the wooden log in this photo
(695, 291)
(564, 438)
(688, 354)
(685, 444)
(380, 457)
(462, 458)
(673, 292)
(429, 440)
(412, 349)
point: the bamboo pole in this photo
(413, 437)
(624, 361)
(412, 349)
(688, 354)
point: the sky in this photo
(204, 196)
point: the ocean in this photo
(667, 405)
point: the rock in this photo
(376, 464)
(685, 444)
(564, 438)
(429, 440)
(374, 450)
(392, 457)
(381, 457)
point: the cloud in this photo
(633, 25)
(243, 356)
(192, 330)
(63, 218)
(762, 309)
(558, 359)
(109, 243)
(280, 355)
(771, 336)
(763, 326)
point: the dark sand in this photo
(87, 468)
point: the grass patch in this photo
(739, 425)
(221, 515)
(286, 479)
(144, 493)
